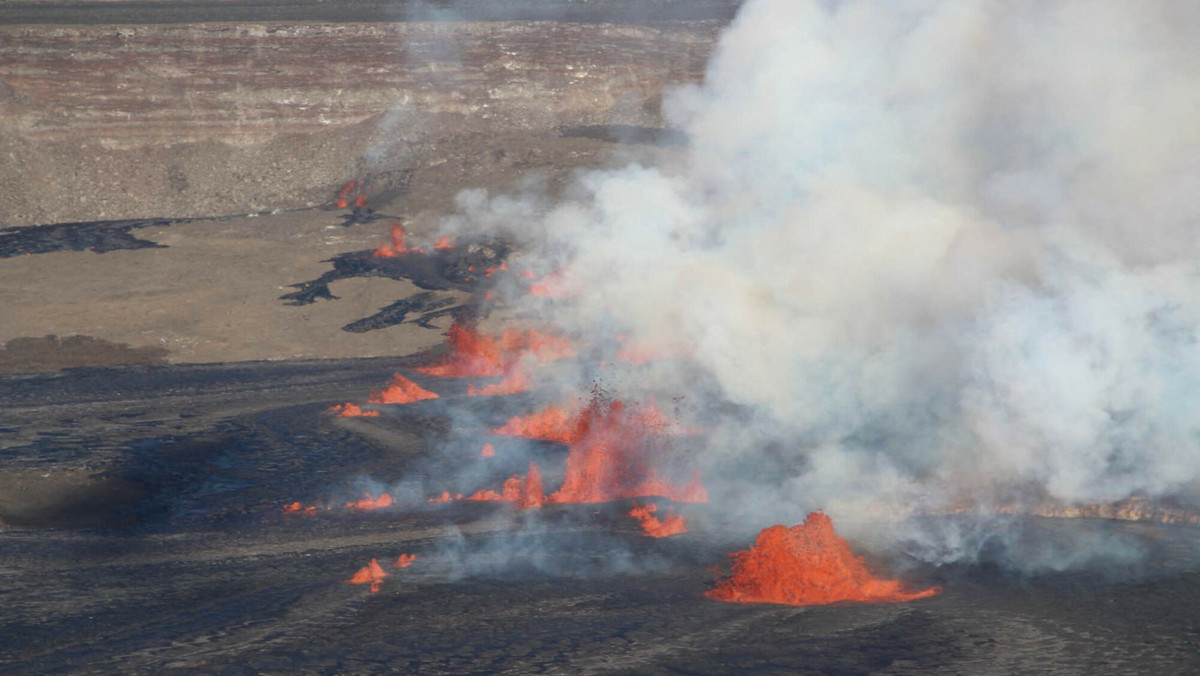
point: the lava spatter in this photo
(615, 452)
(349, 410)
(806, 565)
(524, 491)
(671, 524)
(401, 391)
(372, 574)
(369, 503)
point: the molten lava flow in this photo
(489, 451)
(446, 497)
(514, 383)
(806, 565)
(473, 355)
(614, 454)
(398, 248)
(525, 492)
(401, 391)
(298, 508)
(444, 243)
(371, 574)
(368, 503)
(673, 524)
(404, 561)
(348, 410)
(549, 424)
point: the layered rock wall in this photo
(106, 122)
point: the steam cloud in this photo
(923, 251)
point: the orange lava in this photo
(445, 497)
(368, 503)
(489, 451)
(806, 565)
(514, 383)
(397, 248)
(351, 194)
(672, 524)
(549, 424)
(401, 391)
(298, 508)
(613, 453)
(348, 410)
(524, 491)
(444, 243)
(371, 574)
(474, 355)
(404, 561)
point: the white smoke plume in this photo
(926, 250)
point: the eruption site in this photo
(401, 391)
(806, 565)
(927, 269)
(671, 524)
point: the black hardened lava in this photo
(98, 236)
(465, 267)
(188, 561)
(429, 305)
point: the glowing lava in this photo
(404, 561)
(806, 565)
(401, 391)
(672, 524)
(368, 503)
(348, 410)
(473, 355)
(371, 574)
(615, 452)
(524, 491)
(549, 424)
(443, 243)
(514, 383)
(398, 248)
(298, 508)
(351, 194)
(489, 451)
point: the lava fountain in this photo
(806, 565)
(672, 524)
(401, 391)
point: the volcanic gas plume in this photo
(915, 252)
(806, 565)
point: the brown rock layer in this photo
(103, 122)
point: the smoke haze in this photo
(920, 253)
